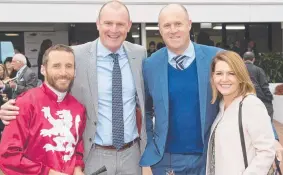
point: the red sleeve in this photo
(80, 147)
(14, 142)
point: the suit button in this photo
(90, 139)
(94, 123)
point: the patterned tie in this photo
(117, 105)
(179, 61)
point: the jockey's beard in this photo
(59, 82)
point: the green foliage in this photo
(272, 64)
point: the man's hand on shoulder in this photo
(53, 172)
(9, 111)
(78, 171)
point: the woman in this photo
(231, 83)
(3, 75)
(3, 78)
(3, 97)
(10, 72)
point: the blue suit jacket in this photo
(156, 100)
(156, 92)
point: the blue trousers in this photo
(181, 164)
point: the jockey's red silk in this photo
(46, 135)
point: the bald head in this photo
(113, 25)
(172, 8)
(174, 26)
(249, 56)
(114, 5)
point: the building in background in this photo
(26, 23)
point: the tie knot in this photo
(179, 61)
(114, 56)
(179, 58)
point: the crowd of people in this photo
(188, 108)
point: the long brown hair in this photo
(4, 72)
(238, 66)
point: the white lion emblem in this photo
(64, 139)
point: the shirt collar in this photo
(189, 52)
(102, 51)
(59, 96)
(249, 62)
(21, 69)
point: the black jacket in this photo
(260, 82)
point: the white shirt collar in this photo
(189, 52)
(60, 95)
(104, 52)
(21, 70)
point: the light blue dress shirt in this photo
(190, 56)
(105, 63)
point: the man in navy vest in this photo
(178, 94)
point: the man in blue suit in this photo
(177, 85)
(178, 94)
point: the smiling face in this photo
(113, 25)
(59, 71)
(225, 80)
(174, 27)
(229, 77)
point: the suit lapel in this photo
(22, 74)
(133, 59)
(92, 76)
(202, 72)
(217, 119)
(163, 79)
